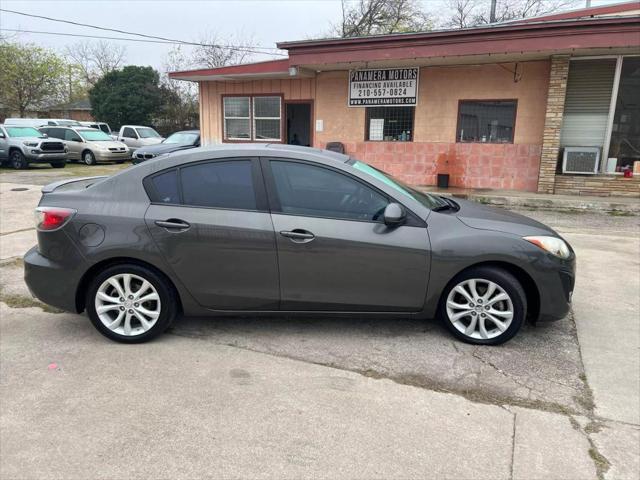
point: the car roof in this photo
(270, 149)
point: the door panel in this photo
(351, 265)
(226, 258)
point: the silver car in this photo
(89, 145)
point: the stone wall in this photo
(470, 165)
(598, 185)
(553, 123)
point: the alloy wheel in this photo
(479, 309)
(127, 304)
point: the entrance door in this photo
(299, 123)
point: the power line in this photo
(100, 37)
(249, 49)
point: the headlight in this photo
(553, 245)
(31, 144)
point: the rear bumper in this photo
(49, 281)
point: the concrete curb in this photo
(620, 206)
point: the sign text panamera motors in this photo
(383, 87)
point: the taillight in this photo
(52, 218)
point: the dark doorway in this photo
(299, 123)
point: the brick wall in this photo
(599, 185)
(470, 165)
(553, 123)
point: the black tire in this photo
(504, 280)
(18, 161)
(164, 288)
(59, 164)
(120, 162)
(88, 158)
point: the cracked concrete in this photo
(283, 398)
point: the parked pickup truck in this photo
(22, 145)
(136, 136)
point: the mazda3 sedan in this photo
(274, 229)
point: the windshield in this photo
(23, 132)
(95, 136)
(147, 133)
(182, 138)
(426, 199)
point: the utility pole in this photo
(492, 14)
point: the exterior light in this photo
(293, 71)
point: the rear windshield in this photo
(23, 132)
(182, 138)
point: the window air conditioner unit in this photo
(585, 160)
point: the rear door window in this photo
(221, 184)
(165, 188)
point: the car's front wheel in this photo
(88, 157)
(130, 303)
(484, 306)
(18, 161)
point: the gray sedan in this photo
(276, 229)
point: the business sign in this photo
(383, 87)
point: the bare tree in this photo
(217, 53)
(180, 97)
(96, 59)
(470, 13)
(375, 17)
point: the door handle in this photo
(298, 235)
(173, 224)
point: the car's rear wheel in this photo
(130, 303)
(484, 306)
(88, 157)
(18, 161)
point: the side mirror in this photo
(394, 215)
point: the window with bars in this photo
(390, 124)
(256, 118)
(486, 121)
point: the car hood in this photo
(161, 148)
(482, 217)
(107, 144)
(150, 141)
(34, 139)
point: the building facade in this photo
(549, 104)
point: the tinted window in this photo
(315, 191)
(219, 185)
(70, 135)
(129, 133)
(486, 121)
(166, 188)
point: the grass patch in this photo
(621, 213)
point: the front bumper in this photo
(111, 156)
(45, 157)
(556, 289)
(49, 281)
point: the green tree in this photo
(29, 77)
(128, 96)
